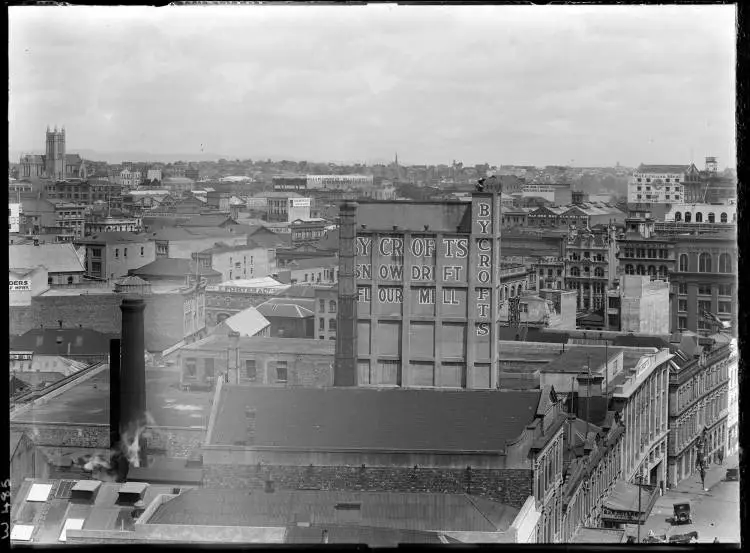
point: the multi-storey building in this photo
(307, 231)
(326, 309)
(14, 217)
(339, 182)
(287, 207)
(591, 469)
(96, 223)
(733, 399)
(235, 262)
(698, 408)
(640, 399)
(721, 214)
(705, 281)
(110, 255)
(69, 218)
(641, 252)
(551, 272)
(640, 304)
(661, 183)
(420, 293)
(590, 265)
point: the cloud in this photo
(538, 83)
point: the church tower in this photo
(55, 154)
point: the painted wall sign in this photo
(19, 285)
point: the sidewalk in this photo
(715, 474)
(689, 490)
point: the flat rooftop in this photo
(87, 402)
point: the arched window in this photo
(687, 217)
(575, 271)
(640, 270)
(332, 306)
(599, 272)
(723, 217)
(652, 270)
(512, 291)
(629, 270)
(725, 263)
(704, 263)
(678, 216)
(663, 271)
(699, 217)
(505, 292)
(711, 218)
(683, 263)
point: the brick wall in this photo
(510, 486)
(163, 316)
(85, 436)
(171, 441)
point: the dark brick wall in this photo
(510, 486)
(173, 442)
(101, 312)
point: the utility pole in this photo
(639, 477)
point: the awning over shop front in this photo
(622, 504)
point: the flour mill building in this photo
(419, 293)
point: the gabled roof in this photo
(663, 168)
(44, 341)
(298, 291)
(311, 263)
(287, 308)
(171, 267)
(56, 258)
(214, 220)
(114, 238)
(400, 419)
(382, 510)
(247, 322)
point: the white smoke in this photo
(130, 445)
(96, 462)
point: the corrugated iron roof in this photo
(57, 258)
(402, 419)
(392, 510)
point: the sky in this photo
(536, 85)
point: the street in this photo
(715, 513)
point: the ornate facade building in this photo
(591, 265)
(54, 163)
(698, 408)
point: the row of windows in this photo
(706, 289)
(642, 270)
(322, 324)
(597, 287)
(322, 306)
(646, 253)
(705, 263)
(725, 307)
(586, 255)
(117, 252)
(648, 179)
(724, 218)
(576, 272)
(251, 371)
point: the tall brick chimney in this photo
(133, 367)
(345, 365)
(114, 392)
